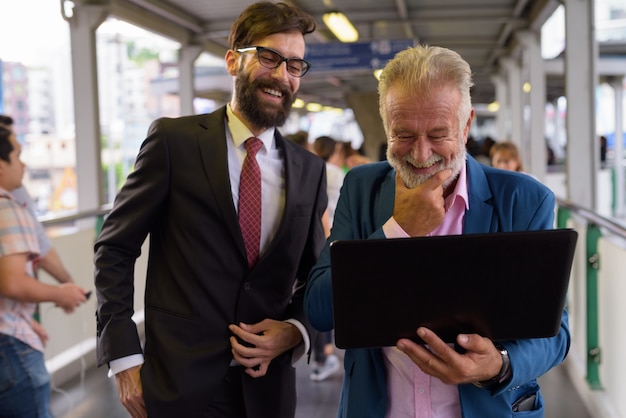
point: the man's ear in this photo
(468, 125)
(232, 62)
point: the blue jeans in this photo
(24, 381)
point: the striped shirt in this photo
(17, 236)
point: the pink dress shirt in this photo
(412, 393)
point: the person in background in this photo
(301, 138)
(505, 155)
(352, 157)
(49, 259)
(326, 361)
(550, 156)
(428, 187)
(472, 146)
(228, 263)
(485, 146)
(25, 388)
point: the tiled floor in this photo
(95, 396)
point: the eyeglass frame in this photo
(282, 59)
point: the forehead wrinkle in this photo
(435, 119)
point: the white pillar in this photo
(187, 58)
(582, 156)
(502, 125)
(536, 160)
(617, 84)
(83, 24)
(514, 78)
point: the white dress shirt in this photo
(272, 168)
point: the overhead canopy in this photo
(482, 31)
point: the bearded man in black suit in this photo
(222, 328)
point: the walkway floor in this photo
(95, 396)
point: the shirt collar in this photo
(240, 132)
(460, 190)
(5, 193)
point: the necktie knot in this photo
(253, 145)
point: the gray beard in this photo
(411, 180)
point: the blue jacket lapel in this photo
(480, 218)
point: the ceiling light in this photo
(339, 25)
(313, 107)
(493, 107)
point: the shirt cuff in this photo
(392, 229)
(124, 363)
(303, 347)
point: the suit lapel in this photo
(385, 200)
(214, 155)
(480, 217)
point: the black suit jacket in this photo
(198, 281)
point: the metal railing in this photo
(70, 216)
(595, 225)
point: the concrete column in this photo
(535, 152)
(514, 79)
(617, 84)
(83, 24)
(367, 115)
(502, 126)
(187, 58)
(582, 155)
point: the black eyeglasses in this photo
(271, 59)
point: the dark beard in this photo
(262, 116)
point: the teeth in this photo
(273, 92)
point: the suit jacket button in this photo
(246, 286)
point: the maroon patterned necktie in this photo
(250, 201)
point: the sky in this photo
(31, 30)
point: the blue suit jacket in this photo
(498, 201)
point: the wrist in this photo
(504, 373)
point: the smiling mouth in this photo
(273, 92)
(423, 166)
(420, 166)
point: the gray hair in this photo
(419, 69)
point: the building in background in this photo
(15, 96)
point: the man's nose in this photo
(420, 150)
(281, 72)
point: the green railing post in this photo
(562, 215)
(613, 190)
(593, 346)
(99, 222)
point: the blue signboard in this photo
(610, 140)
(354, 56)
